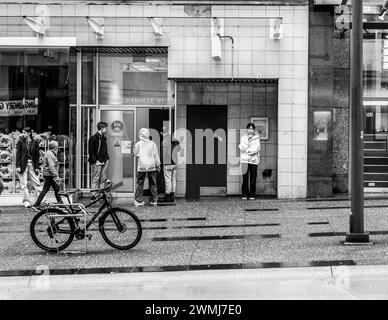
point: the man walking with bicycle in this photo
(98, 156)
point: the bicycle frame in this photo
(69, 208)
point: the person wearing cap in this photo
(99, 157)
(249, 158)
(148, 164)
(50, 173)
(27, 164)
(170, 149)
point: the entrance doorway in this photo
(207, 173)
(120, 139)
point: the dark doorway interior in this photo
(206, 175)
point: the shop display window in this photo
(34, 92)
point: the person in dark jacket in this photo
(98, 156)
(50, 173)
(170, 149)
(27, 164)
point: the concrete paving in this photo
(337, 283)
(295, 233)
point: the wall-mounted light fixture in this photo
(97, 24)
(36, 25)
(157, 26)
(276, 29)
(217, 30)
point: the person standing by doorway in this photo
(98, 157)
(249, 159)
(148, 164)
(27, 164)
(170, 149)
(50, 173)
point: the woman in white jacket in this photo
(148, 164)
(249, 159)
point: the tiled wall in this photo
(243, 101)
(255, 55)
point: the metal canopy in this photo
(225, 80)
(122, 50)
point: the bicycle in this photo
(56, 221)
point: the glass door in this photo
(120, 138)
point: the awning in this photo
(120, 50)
(224, 80)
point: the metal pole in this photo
(357, 234)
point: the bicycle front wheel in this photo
(50, 233)
(120, 228)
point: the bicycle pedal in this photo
(89, 236)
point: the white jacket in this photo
(250, 149)
(147, 153)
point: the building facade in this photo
(329, 99)
(66, 66)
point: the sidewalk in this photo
(334, 283)
(210, 234)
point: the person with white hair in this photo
(50, 173)
(148, 164)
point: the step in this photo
(376, 168)
(375, 145)
(376, 177)
(376, 160)
(376, 184)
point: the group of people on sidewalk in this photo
(27, 167)
(148, 164)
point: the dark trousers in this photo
(249, 173)
(49, 182)
(140, 184)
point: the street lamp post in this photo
(357, 234)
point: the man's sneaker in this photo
(381, 17)
(154, 203)
(27, 204)
(138, 204)
(244, 198)
(251, 198)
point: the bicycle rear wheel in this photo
(120, 228)
(52, 234)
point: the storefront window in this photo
(133, 79)
(376, 64)
(34, 92)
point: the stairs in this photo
(376, 161)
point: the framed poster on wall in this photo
(262, 127)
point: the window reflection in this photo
(133, 79)
(375, 64)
